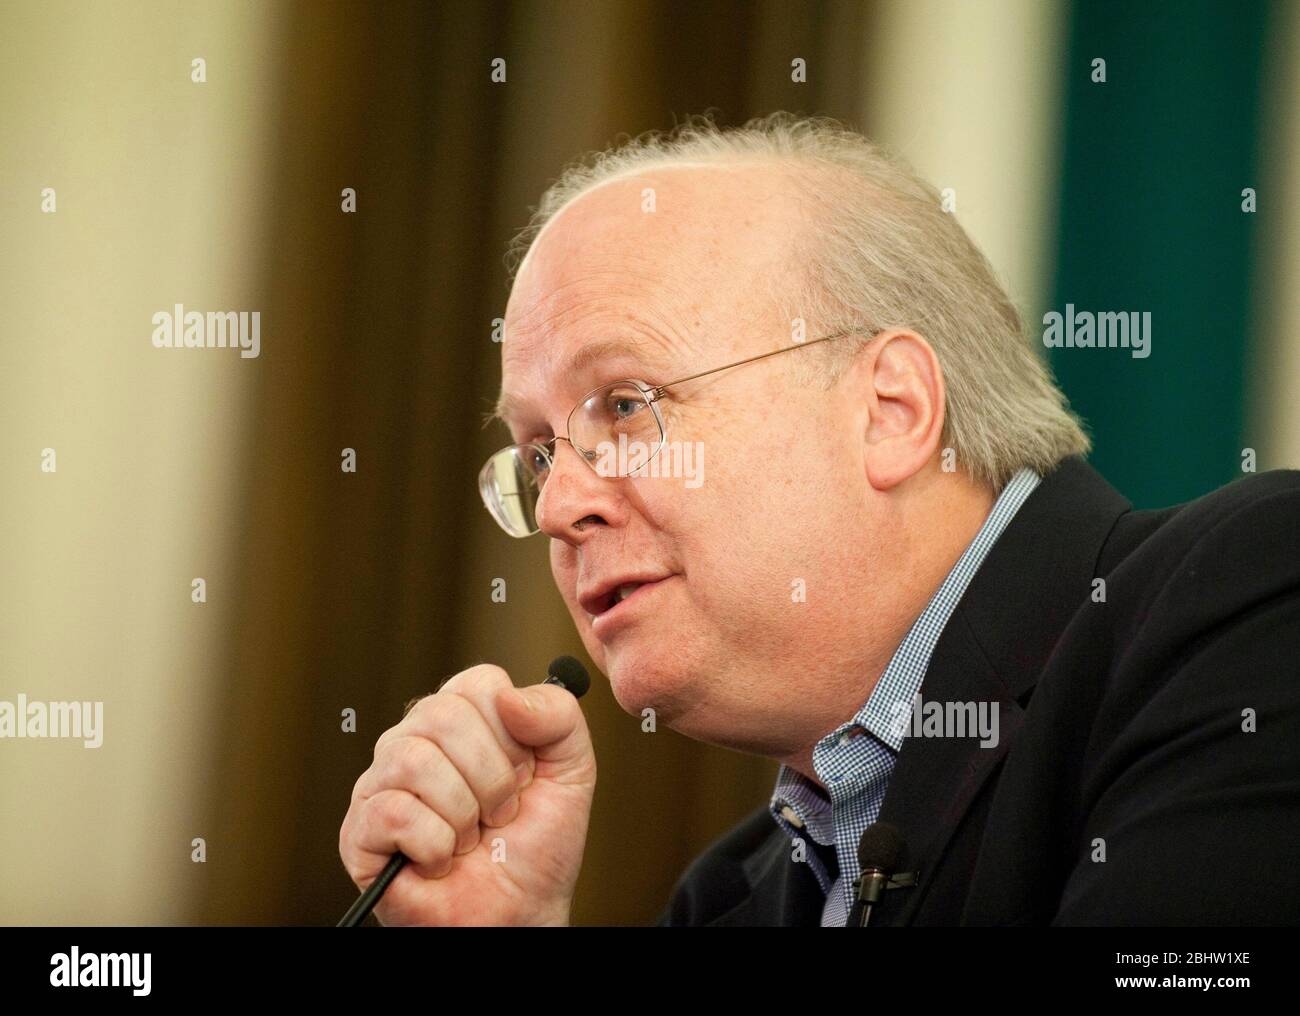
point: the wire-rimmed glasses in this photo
(616, 429)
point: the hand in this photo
(487, 789)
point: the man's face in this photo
(762, 573)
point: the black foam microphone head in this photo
(570, 673)
(880, 847)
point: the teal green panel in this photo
(1155, 160)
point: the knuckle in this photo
(433, 852)
(423, 708)
(373, 823)
(413, 703)
(450, 716)
(484, 678)
(393, 810)
(408, 759)
(387, 738)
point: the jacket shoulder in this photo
(1260, 512)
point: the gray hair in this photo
(882, 250)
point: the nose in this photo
(575, 497)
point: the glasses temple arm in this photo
(658, 391)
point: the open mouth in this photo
(615, 604)
(620, 594)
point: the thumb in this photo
(548, 719)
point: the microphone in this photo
(565, 671)
(879, 852)
(569, 674)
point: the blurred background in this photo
(128, 187)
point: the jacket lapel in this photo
(993, 648)
(782, 892)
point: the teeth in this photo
(624, 591)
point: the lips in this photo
(608, 593)
(637, 605)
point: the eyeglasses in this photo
(623, 414)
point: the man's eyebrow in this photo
(509, 407)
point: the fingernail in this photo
(470, 843)
(523, 775)
(505, 813)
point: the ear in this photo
(901, 385)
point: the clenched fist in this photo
(487, 789)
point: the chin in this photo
(638, 684)
(631, 690)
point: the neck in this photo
(946, 513)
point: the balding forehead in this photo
(714, 228)
(596, 267)
(751, 186)
(637, 178)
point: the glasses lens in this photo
(617, 429)
(510, 483)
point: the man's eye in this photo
(623, 404)
(531, 457)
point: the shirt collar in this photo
(902, 677)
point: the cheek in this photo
(727, 541)
(564, 571)
(768, 516)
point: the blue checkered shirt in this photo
(855, 760)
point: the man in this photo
(894, 573)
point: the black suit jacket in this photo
(1125, 730)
